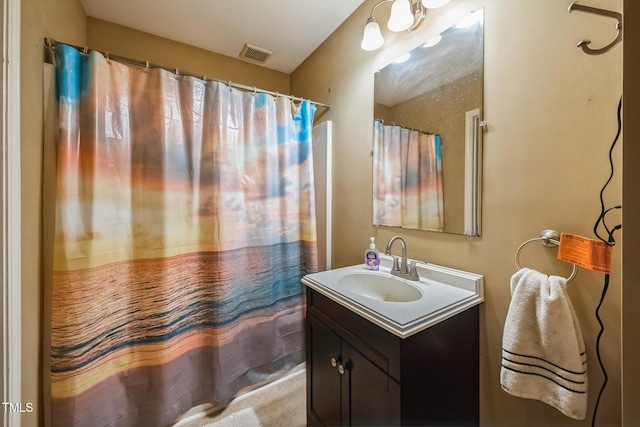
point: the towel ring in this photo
(550, 239)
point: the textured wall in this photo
(551, 118)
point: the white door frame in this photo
(10, 231)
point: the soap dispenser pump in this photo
(372, 256)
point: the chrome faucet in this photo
(401, 269)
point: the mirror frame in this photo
(473, 173)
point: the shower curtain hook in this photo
(255, 91)
(106, 54)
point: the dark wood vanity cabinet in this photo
(347, 388)
(361, 374)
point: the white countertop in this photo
(445, 293)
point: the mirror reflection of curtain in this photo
(185, 220)
(407, 178)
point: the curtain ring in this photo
(255, 91)
(106, 55)
(85, 50)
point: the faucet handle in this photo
(413, 270)
(396, 265)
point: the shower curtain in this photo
(407, 178)
(185, 220)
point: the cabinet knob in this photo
(341, 369)
(334, 362)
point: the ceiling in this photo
(292, 29)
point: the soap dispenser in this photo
(372, 257)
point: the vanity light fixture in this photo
(372, 38)
(405, 15)
(401, 17)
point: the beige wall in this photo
(63, 20)
(108, 37)
(551, 118)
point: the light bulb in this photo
(401, 17)
(434, 4)
(372, 37)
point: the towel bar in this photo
(550, 239)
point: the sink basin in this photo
(379, 287)
(399, 306)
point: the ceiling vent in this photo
(255, 54)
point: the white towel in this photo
(543, 354)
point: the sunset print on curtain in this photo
(185, 220)
(407, 178)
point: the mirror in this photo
(427, 134)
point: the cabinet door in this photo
(374, 397)
(324, 381)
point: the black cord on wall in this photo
(609, 241)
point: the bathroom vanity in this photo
(378, 356)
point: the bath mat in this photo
(244, 418)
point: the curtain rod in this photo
(51, 43)
(386, 122)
